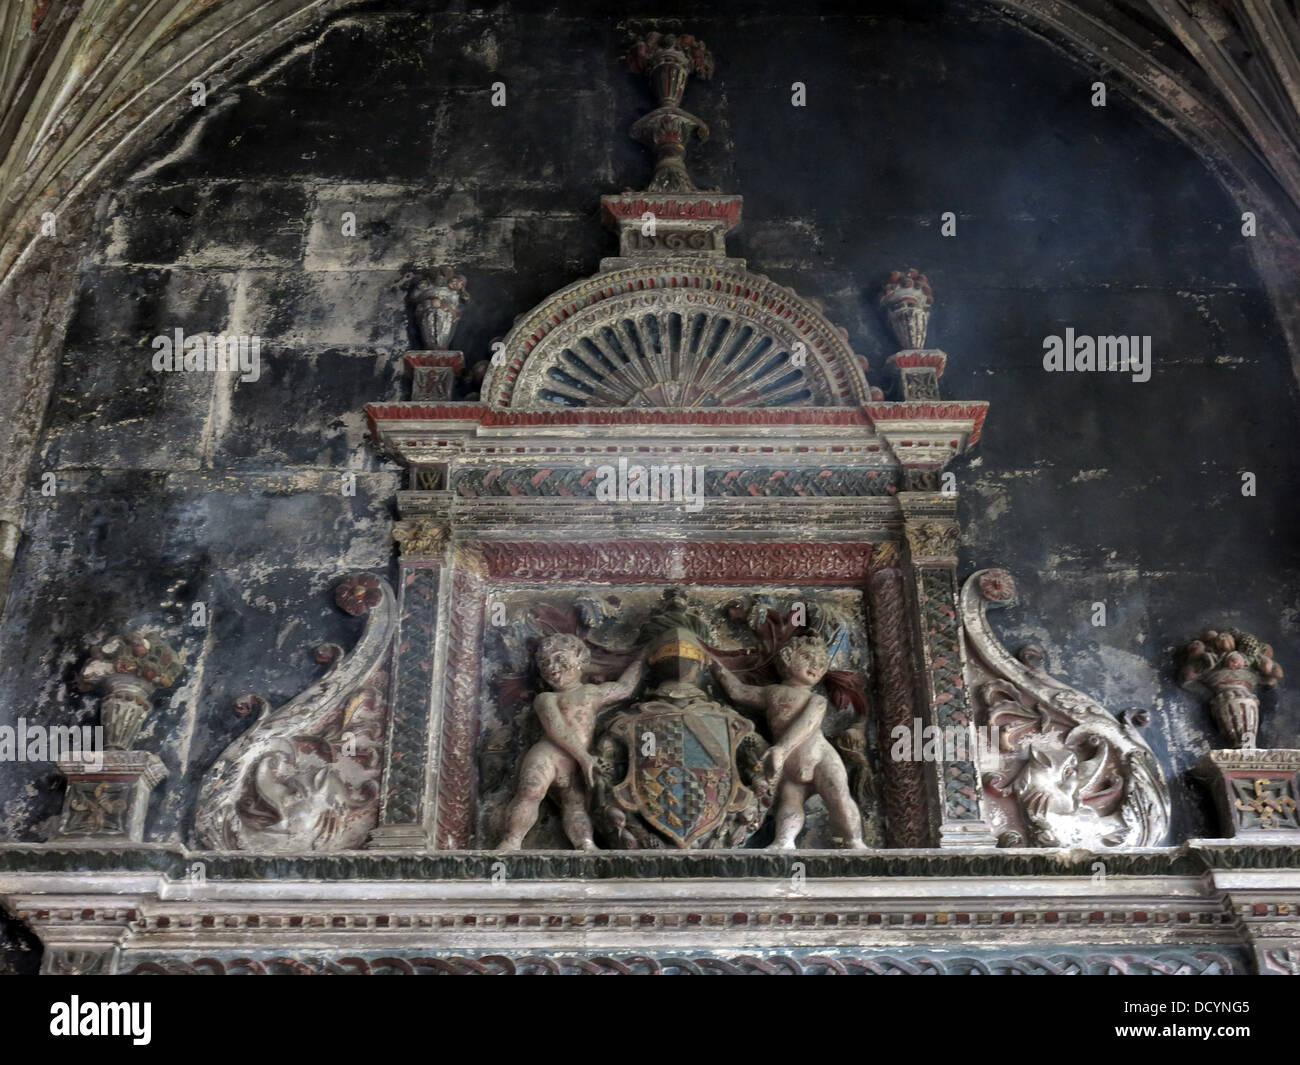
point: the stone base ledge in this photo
(1216, 907)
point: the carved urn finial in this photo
(107, 795)
(437, 297)
(1256, 790)
(126, 670)
(1228, 666)
(668, 60)
(906, 300)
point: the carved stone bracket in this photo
(433, 374)
(1256, 792)
(1267, 909)
(1068, 772)
(305, 777)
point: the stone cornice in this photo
(169, 906)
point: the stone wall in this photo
(181, 488)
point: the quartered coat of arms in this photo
(662, 757)
(689, 765)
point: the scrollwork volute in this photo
(305, 776)
(1072, 774)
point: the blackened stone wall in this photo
(173, 489)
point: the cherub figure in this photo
(800, 758)
(560, 760)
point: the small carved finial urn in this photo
(906, 300)
(1228, 666)
(668, 60)
(126, 670)
(108, 789)
(1257, 791)
(437, 298)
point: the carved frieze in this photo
(713, 562)
(823, 962)
(786, 481)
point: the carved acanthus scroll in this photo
(1069, 772)
(305, 777)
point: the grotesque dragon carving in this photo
(305, 777)
(1068, 773)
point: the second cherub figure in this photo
(801, 760)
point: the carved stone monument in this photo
(674, 645)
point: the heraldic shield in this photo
(682, 775)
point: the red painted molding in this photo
(970, 410)
(725, 208)
(483, 415)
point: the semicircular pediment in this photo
(677, 333)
